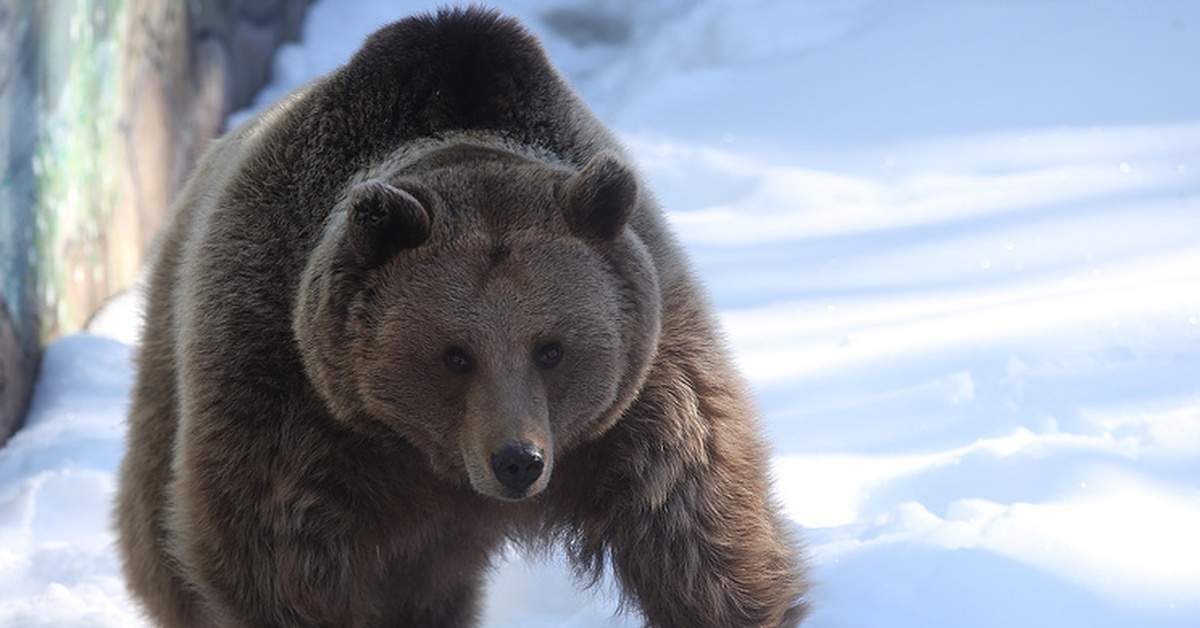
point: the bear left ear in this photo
(601, 198)
(384, 220)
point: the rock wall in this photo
(105, 106)
(19, 121)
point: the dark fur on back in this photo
(263, 485)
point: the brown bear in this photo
(418, 309)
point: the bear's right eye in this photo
(549, 355)
(457, 360)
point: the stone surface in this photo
(105, 106)
(19, 303)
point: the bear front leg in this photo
(307, 575)
(456, 608)
(712, 555)
(254, 569)
(684, 515)
(307, 551)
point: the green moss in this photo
(18, 139)
(73, 164)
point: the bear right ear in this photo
(383, 221)
(601, 198)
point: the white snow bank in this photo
(58, 568)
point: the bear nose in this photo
(518, 466)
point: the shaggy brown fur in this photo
(418, 308)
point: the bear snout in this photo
(517, 466)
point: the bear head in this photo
(490, 306)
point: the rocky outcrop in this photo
(104, 108)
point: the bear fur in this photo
(417, 309)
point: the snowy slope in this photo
(956, 245)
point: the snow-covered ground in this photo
(956, 244)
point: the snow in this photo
(956, 247)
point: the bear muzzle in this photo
(506, 435)
(511, 469)
(518, 466)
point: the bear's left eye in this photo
(549, 355)
(458, 360)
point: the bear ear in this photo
(383, 221)
(601, 198)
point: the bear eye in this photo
(457, 360)
(549, 355)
